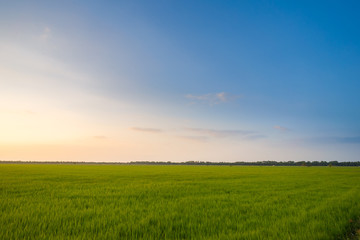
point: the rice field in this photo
(177, 202)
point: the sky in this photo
(178, 81)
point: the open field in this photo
(177, 202)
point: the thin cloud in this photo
(45, 34)
(195, 138)
(220, 133)
(280, 128)
(333, 140)
(344, 140)
(29, 112)
(151, 130)
(20, 112)
(212, 98)
(100, 137)
(255, 137)
(348, 139)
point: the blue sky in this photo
(180, 80)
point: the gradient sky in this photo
(180, 80)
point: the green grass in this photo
(177, 202)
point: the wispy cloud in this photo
(212, 98)
(46, 33)
(340, 139)
(348, 139)
(151, 130)
(220, 133)
(29, 112)
(280, 128)
(18, 111)
(195, 138)
(333, 140)
(100, 137)
(206, 134)
(255, 137)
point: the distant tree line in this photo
(260, 163)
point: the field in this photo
(177, 202)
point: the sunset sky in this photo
(180, 80)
